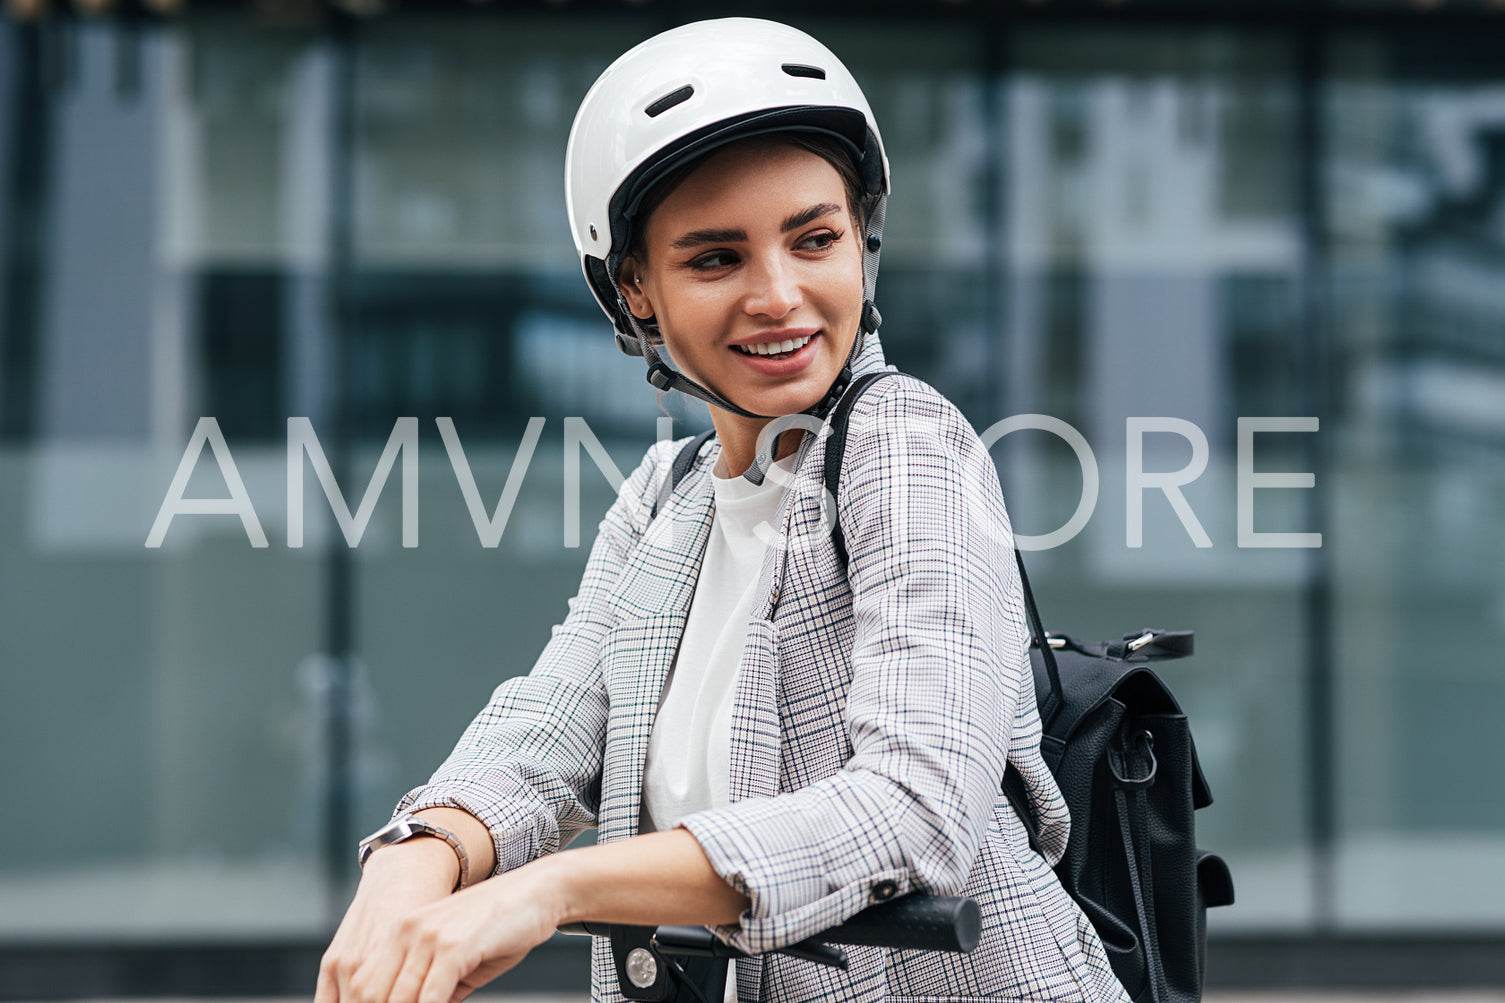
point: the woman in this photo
(767, 740)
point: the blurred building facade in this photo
(1166, 217)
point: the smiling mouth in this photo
(775, 349)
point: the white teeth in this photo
(776, 347)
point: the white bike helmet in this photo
(680, 95)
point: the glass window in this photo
(1415, 184)
(159, 710)
(1152, 275)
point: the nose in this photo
(774, 289)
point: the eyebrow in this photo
(809, 215)
(696, 238)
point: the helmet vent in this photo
(669, 100)
(800, 70)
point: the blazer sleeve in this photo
(529, 765)
(937, 664)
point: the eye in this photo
(820, 240)
(713, 261)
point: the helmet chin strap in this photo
(662, 376)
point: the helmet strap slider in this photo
(833, 395)
(660, 375)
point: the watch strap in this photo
(408, 826)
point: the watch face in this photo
(395, 831)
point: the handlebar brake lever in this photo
(821, 954)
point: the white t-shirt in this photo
(689, 750)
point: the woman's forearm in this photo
(656, 878)
(420, 851)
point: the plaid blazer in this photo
(876, 707)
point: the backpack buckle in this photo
(1122, 761)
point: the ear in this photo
(630, 284)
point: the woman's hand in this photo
(406, 940)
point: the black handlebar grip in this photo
(912, 923)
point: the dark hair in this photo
(830, 149)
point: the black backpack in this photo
(1122, 753)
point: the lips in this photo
(766, 357)
(775, 347)
(773, 342)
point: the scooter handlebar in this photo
(911, 923)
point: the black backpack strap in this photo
(836, 445)
(1050, 707)
(1141, 878)
(683, 461)
(1152, 645)
(1052, 704)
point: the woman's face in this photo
(755, 252)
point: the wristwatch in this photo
(406, 826)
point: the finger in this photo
(442, 981)
(326, 989)
(341, 969)
(480, 977)
(378, 968)
(470, 983)
(409, 979)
